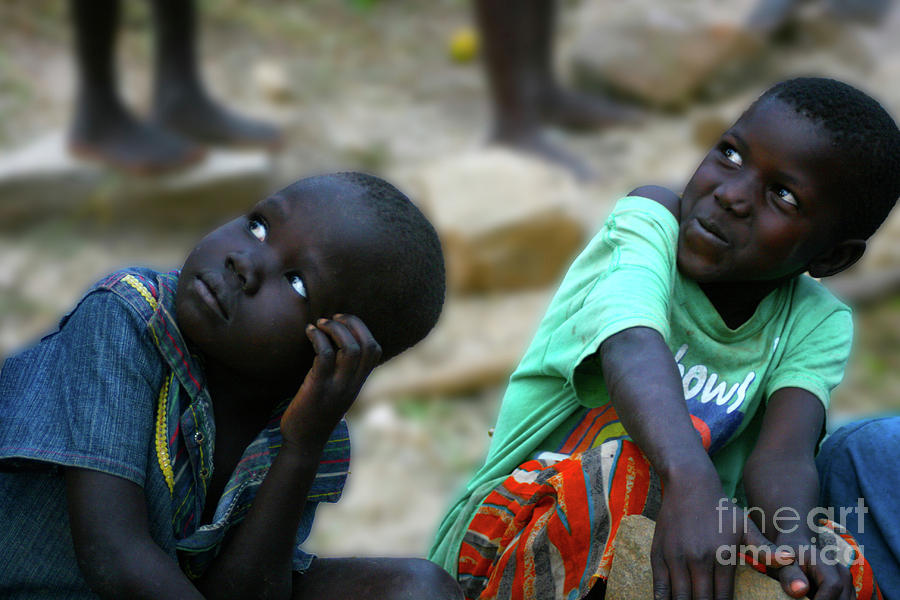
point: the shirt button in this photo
(198, 437)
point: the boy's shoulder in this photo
(136, 278)
(662, 195)
(143, 288)
(811, 294)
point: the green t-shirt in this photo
(799, 336)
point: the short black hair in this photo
(866, 137)
(404, 292)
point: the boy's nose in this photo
(247, 272)
(735, 195)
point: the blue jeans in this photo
(862, 461)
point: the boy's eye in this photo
(258, 229)
(734, 156)
(297, 284)
(786, 196)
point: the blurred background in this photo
(397, 88)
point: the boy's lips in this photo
(711, 230)
(210, 288)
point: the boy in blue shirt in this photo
(173, 437)
(686, 361)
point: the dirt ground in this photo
(372, 89)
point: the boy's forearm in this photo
(780, 476)
(257, 559)
(784, 489)
(110, 533)
(645, 388)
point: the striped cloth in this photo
(546, 532)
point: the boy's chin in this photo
(697, 271)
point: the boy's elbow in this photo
(103, 569)
(131, 569)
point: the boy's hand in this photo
(830, 580)
(346, 352)
(698, 537)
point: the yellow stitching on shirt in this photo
(162, 444)
(141, 289)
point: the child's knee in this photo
(424, 579)
(381, 578)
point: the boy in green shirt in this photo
(716, 279)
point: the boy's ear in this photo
(837, 259)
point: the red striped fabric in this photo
(546, 532)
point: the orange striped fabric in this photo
(546, 532)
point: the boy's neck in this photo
(737, 301)
(235, 397)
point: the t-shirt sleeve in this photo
(84, 395)
(623, 279)
(816, 359)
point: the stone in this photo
(632, 579)
(42, 181)
(272, 80)
(659, 58)
(707, 129)
(476, 344)
(507, 221)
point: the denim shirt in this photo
(116, 389)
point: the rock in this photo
(42, 181)
(865, 288)
(272, 80)
(883, 251)
(662, 59)
(631, 578)
(707, 129)
(477, 343)
(507, 221)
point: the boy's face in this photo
(764, 202)
(249, 288)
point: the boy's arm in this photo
(780, 478)
(256, 560)
(645, 388)
(111, 534)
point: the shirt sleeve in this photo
(816, 358)
(623, 279)
(328, 486)
(84, 396)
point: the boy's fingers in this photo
(324, 361)
(660, 571)
(702, 583)
(348, 350)
(680, 581)
(770, 555)
(831, 583)
(793, 581)
(849, 588)
(671, 579)
(724, 580)
(764, 551)
(369, 347)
